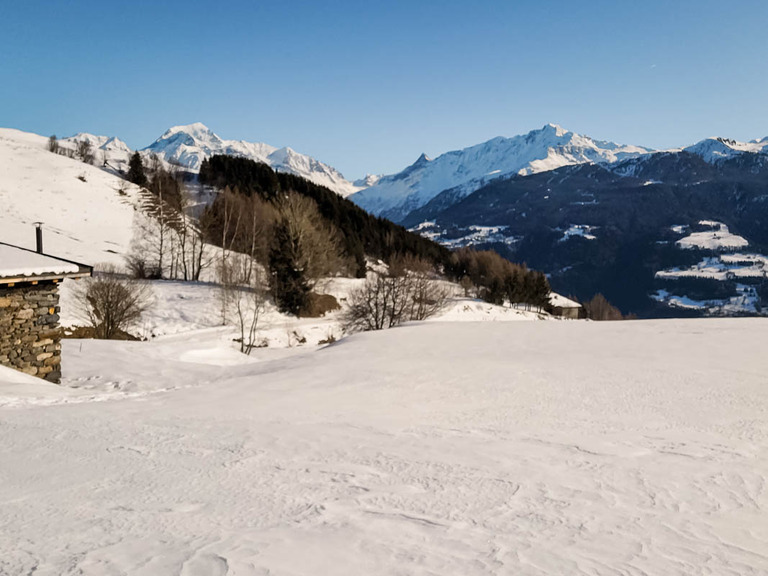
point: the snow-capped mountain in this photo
(108, 143)
(464, 171)
(367, 181)
(109, 149)
(716, 149)
(189, 145)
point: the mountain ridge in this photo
(468, 169)
(188, 145)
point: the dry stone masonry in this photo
(30, 336)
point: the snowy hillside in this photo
(520, 455)
(467, 170)
(190, 145)
(86, 217)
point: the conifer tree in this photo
(136, 170)
(287, 278)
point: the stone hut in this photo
(565, 307)
(30, 335)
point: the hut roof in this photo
(21, 265)
(558, 301)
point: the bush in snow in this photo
(406, 292)
(111, 303)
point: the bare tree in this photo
(144, 259)
(316, 244)
(84, 151)
(245, 299)
(426, 294)
(303, 249)
(229, 232)
(407, 291)
(53, 144)
(110, 302)
(598, 308)
(184, 234)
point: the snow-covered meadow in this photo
(437, 448)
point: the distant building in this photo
(565, 307)
(30, 334)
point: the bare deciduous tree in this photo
(407, 291)
(84, 151)
(315, 243)
(598, 308)
(53, 144)
(111, 302)
(244, 295)
(303, 249)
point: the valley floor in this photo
(443, 448)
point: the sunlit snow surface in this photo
(18, 262)
(725, 264)
(580, 231)
(745, 301)
(718, 238)
(469, 236)
(516, 448)
(85, 217)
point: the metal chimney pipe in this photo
(39, 236)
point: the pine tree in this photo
(287, 278)
(136, 170)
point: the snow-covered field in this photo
(722, 267)
(472, 235)
(441, 448)
(718, 238)
(745, 301)
(579, 230)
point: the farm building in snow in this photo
(565, 307)
(30, 335)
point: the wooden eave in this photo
(16, 280)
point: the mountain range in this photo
(452, 176)
(461, 172)
(187, 146)
(669, 232)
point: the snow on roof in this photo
(20, 262)
(559, 301)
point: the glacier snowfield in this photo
(440, 448)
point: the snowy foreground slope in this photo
(497, 448)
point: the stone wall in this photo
(30, 336)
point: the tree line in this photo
(496, 279)
(359, 233)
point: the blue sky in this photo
(368, 86)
